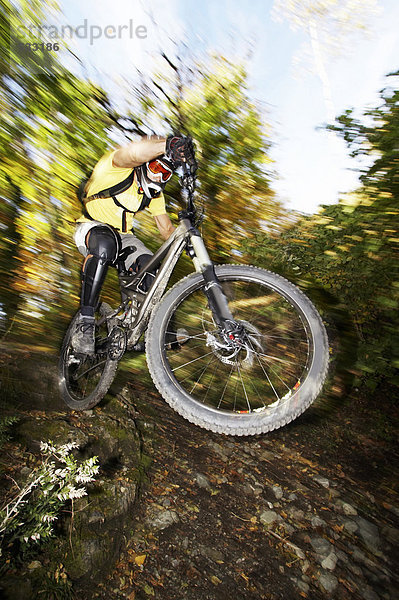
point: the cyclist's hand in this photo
(180, 149)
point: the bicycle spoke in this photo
(192, 361)
(210, 383)
(268, 378)
(203, 371)
(225, 387)
(243, 387)
(91, 369)
(282, 360)
(244, 378)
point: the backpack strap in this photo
(118, 188)
(124, 213)
(111, 192)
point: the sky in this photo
(313, 166)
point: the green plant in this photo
(29, 516)
(5, 423)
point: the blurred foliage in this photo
(54, 126)
(351, 249)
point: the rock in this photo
(278, 492)
(317, 522)
(350, 526)
(330, 562)
(221, 451)
(349, 510)
(321, 546)
(323, 481)
(369, 533)
(96, 517)
(292, 497)
(202, 481)
(328, 582)
(212, 554)
(164, 519)
(268, 517)
(355, 569)
(302, 586)
(296, 513)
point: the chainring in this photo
(116, 343)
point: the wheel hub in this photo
(227, 346)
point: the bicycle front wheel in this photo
(255, 387)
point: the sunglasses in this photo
(160, 169)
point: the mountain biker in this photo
(123, 182)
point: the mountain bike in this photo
(255, 352)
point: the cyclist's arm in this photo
(137, 153)
(164, 225)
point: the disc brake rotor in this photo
(228, 350)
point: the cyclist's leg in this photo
(133, 256)
(100, 244)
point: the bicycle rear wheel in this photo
(85, 379)
(248, 388)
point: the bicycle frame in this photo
(164, 260)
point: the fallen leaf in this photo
(139, 559)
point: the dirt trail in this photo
(308, 511)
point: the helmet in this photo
(153, 175)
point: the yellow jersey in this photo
(117, 214)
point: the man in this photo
(123, 182)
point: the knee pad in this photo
(103, 243)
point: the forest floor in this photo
(309, 511)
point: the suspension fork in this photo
(213, 290)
